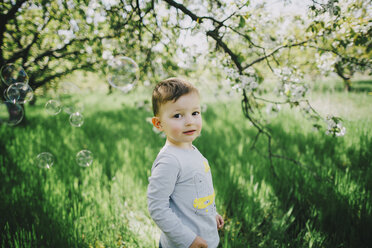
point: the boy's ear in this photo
(156, 122)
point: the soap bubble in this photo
(53, 107)
(11, 73)
(16, 112)
(11, 113)
(44, 160)
(12, 94)
(27, 94)
(19, 93)
(76, 119)
(84, 158)
(6, 95)
(123, 73)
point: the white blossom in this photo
(231, 73)
(109, 3)
(326, 62)
(249, 83)
(335, 127)
(288, 74)
(74, 25)
(67, 35)
(107, 55)
(89, 49)
(293, 91)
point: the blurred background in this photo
(286, 93)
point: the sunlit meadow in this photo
(322, 199)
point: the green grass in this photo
(324, 203)
(360, 84)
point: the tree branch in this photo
(273, 52)
(245, 101)
(234, 57)
(261, 130)
(24, 52)
(4, 19)
(53, 51)
(354, 60)
(58, 75)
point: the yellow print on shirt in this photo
(203, 202)
(206, 166)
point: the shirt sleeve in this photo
(161, 185)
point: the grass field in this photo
(326, 202)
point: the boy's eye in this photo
(177, 116)
(196, 113)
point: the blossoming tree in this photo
(52, 39)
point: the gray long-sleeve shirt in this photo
(181, 197)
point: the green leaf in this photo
(240, 58)
(241, 22)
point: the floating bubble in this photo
(84, 158)
(76, 119)
(44, 160)
(11, 113)
(19, 93)
(6, 95)
(123, 73)
(53, 107)
(12, 94)
(16, 113)
(11, 73)
(27, 94)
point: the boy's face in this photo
(181, 120)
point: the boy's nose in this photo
(189, 120)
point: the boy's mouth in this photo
(190, 132)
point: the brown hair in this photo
(170, 90)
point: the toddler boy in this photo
(180, 192)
